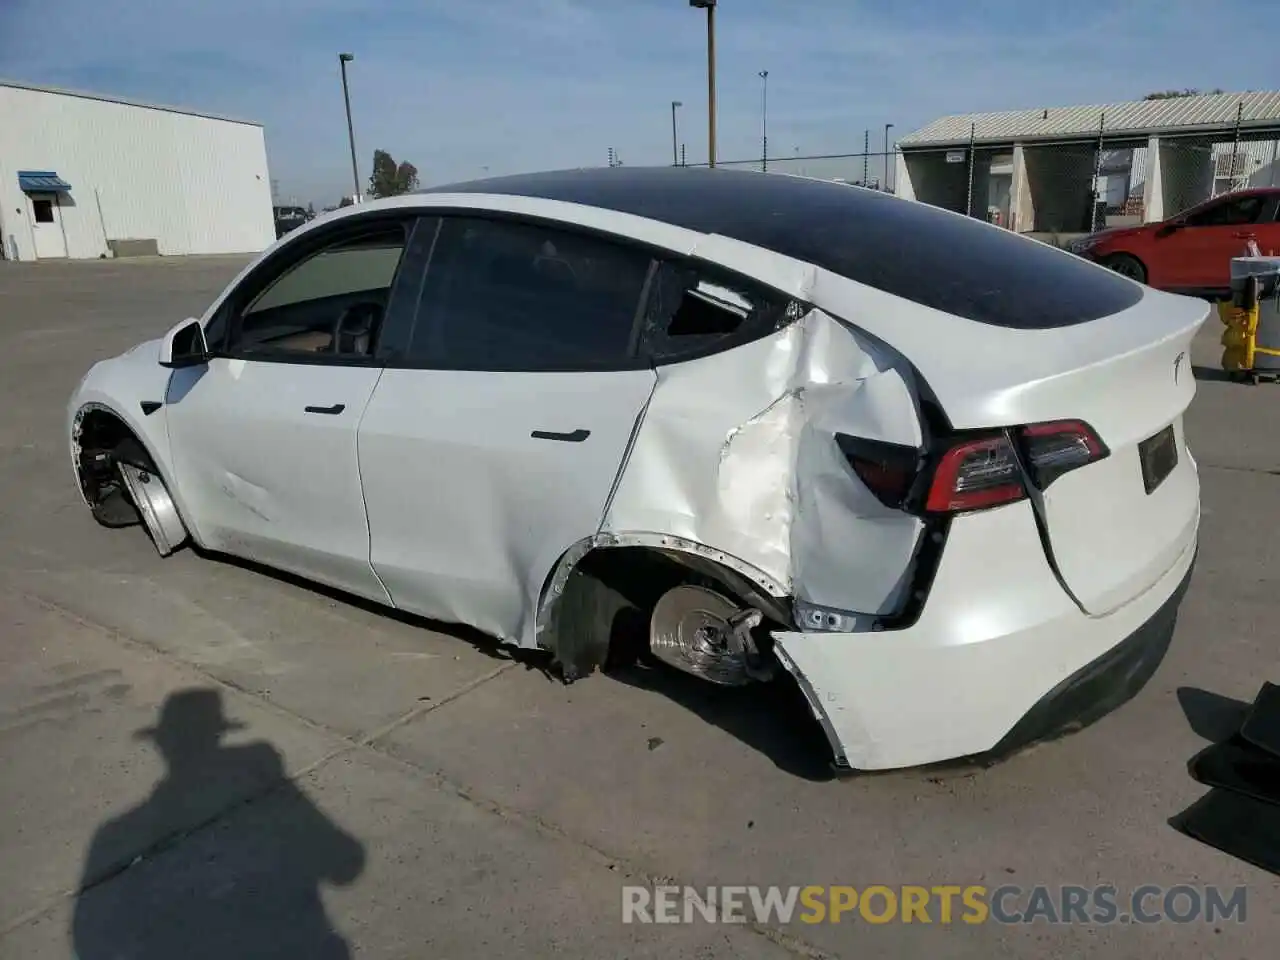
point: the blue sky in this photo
(469, 87)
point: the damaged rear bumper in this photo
(999, 658)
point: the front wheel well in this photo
(101, 439)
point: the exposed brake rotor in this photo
(700, 632)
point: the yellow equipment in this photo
(1253, 293)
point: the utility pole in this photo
(343, 60)
(764, 120)
(710, 7)
(866, 155)
(885, 182)
(675, 157)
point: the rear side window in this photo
(507, 295)
(695, 309)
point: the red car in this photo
(1191, 253)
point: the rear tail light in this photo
(1052, 449)
(886, 469)
(985, 471)
(974, 474)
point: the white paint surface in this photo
(468, 511)
(465, 514)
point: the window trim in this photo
(422, 321)
(300, 248)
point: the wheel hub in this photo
(697, 630)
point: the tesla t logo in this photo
(1177, 364)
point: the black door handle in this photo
(334, 410)
(577, 436)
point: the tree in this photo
(390, 179)
(1174, 94)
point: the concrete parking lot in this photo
(414, 792)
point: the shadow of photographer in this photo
(224, 858)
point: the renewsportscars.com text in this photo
(941, 904)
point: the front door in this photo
(46, 226)
(496, 447)
(264, 436)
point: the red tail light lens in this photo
(974, 474)
(886, 469)
(1052, 449)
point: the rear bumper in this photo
(999, 658)
(1101, 686)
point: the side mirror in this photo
(184, 346)
(1170, 227)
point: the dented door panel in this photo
(267, 480)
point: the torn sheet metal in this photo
(772, 488)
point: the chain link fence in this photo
(872, 168)
(1077, 186)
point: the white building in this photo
(1073, 169)
(86, 176)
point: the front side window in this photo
(330, 303)
(508, 295)
(1236, 212)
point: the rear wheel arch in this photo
(595, 605)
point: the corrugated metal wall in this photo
(193, 184)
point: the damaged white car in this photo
(934, 471)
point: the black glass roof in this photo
(908, 249)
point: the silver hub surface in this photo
(690, 630)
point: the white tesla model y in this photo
(933, 470)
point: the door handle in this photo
(333, 411)
(575, 436)
(1245, 235)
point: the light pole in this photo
(675, 156)
(764, 120)
(885, 182)
(343, 60)
(710, 7)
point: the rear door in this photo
(1197, 255)
(494, 444)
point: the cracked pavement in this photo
(402, 789)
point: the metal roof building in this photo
(84, 175)
(1066, 169)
